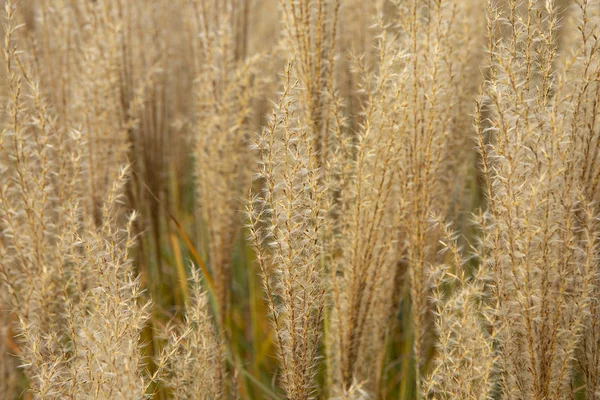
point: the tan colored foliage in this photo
(376, 203)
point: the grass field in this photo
(300, 199)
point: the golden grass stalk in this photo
(191, 358)
(540, 239)
(285, 228)
(224, 89)
(69, 280)
(465, 364)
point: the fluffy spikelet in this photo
(35, 216)
(464, 313)
(355, 392)
(363, 234)
(581, 66)
(386, 174)
(540, 235)
(78, 57)
(190, 360)
(311, 31)
(285, 227)
(436, 91)
(108, 317)
(70, 281)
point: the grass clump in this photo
(387, 200)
